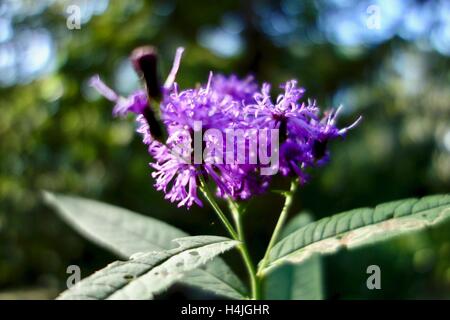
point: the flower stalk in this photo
(236, 235)
(289, 197)
(237, 213)
(210, 198)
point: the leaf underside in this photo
(360, 227)
(147, 274)
(126, 233)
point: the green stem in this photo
(239, 236)
(289, 197)
(254, 281)
(209, 197)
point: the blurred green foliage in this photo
(57, 134)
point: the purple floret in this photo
(303, 134)
(224, 103)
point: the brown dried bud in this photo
(153, 123)
(145, 62)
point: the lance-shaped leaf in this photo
(292, 281)
(117, 229)
(302, 281)
(125, 233)
(217, 277)
(298, 221)
(147, 274)
(360, 227)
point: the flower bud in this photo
(153, 123)
(145, 62)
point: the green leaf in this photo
(298, 221)
(120, 230)
(302, 281)
(217, 277)
(147, 274)
(126, 233)
(360, 227)
(296, 281)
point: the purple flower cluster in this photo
(223, 103)
(304, 133)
